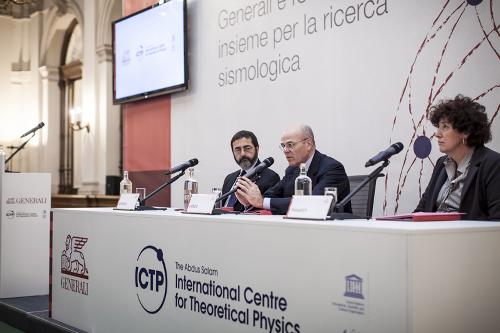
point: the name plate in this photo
(313, 207)
(202, 203)
(127, 201)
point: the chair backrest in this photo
(362, 202)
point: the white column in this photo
(50, 109)
(90, 152)
(109, 118)
(23, 119)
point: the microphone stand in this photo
(339, 207)
(19, 148)
(152, 194)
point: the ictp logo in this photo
(151, 279)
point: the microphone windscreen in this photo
(268, 161)
(398, 146)
(193, 162)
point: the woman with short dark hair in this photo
(467, 178)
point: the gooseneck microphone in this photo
(385, 154)
(252, 175)
(183, 166)
(34, 129)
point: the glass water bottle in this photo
(303, 184)
(190, 187)
(125, 184)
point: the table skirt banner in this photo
(170, 272)
(24, 234)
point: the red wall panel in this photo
(146, 134)
(146, 127)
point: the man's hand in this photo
(248, 193)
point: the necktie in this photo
(231, 201)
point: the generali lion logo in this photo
(72, 258)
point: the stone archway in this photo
(56, 23)
(109, 118)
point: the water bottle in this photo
(2, 160)
(190, 187)
(125, 184)
(303, 184)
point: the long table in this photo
(164, 271)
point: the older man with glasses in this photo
(299, 147)
(245, 148)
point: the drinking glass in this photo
(333, 192)
(141, 191)
(218, 192)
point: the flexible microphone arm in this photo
(252, 175)
(19, 148)
(339, 207)
(225, 195)
(161, 187)
(253, 178)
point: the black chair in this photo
(362, 202)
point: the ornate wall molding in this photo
(69, 6)
(104, 53)
(20, 8)
(49, 73)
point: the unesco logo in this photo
(354, 286)
(151, 279)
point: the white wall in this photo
(348, 87)
(7, 28)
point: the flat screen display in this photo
(150, 53)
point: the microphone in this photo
(252, 175)
(259, 168)
(183, 166)
(34, 129)
(385, 154)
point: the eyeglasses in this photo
(290, 145)
(246, 149)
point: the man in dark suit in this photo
(299, 147)
(245, 148)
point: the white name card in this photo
(313, 207)
(202, 203)
(127, 201)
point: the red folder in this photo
(423, 217)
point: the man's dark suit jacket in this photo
(266, 179)
(324, 171)
(480, 198)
